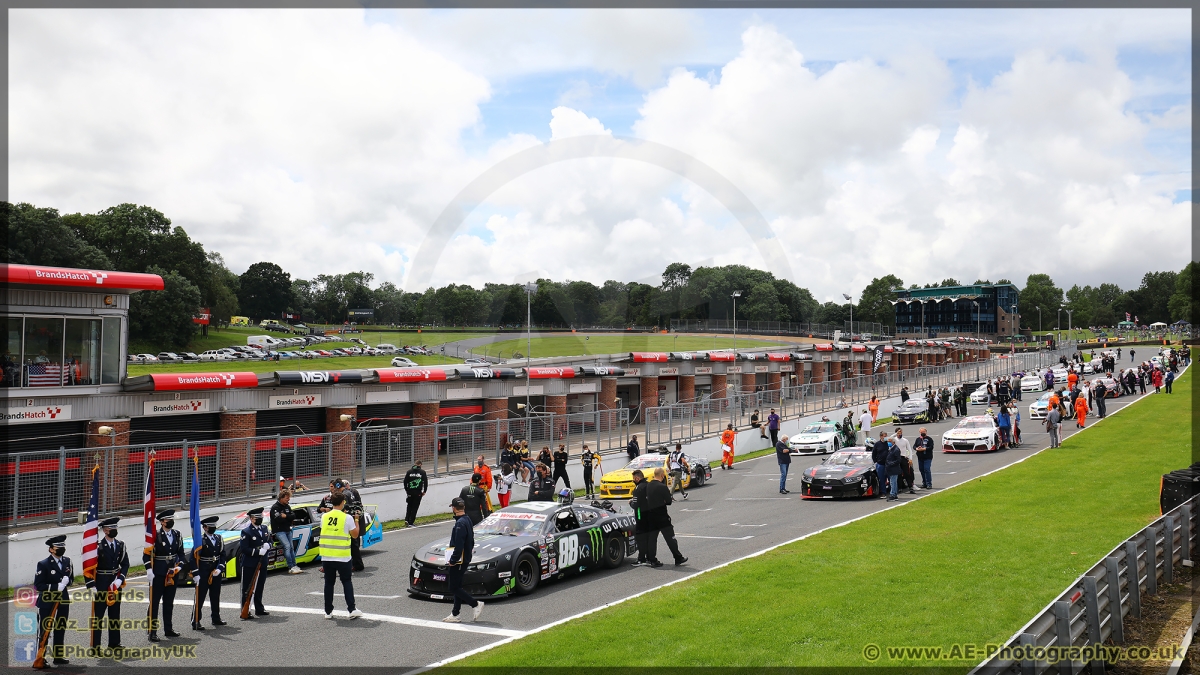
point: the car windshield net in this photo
(974, 423)
(912, 404)
(849, 459)
(236, 524)
(647, 462)
(514, 524)
(818, 428)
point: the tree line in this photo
(134, 238)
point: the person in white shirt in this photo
(504, 484)
(906, 452)
(864, 427)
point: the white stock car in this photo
(977, 433)
(1033, 383)
(980, 396)
(1037, 409)
(817, 438)
(1060, 373)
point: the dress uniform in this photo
(168, 561)
(209, 559)
(53, 576)
(253, 553)
(112, 566)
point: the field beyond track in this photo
(575, 345)
(970, 565)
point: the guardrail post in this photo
(363, 434)
(183, 476)
(217, 471)
(1092, 612)
(17, 490)
(279, 456)
(1028, 642)
(1169, 550)
(1113, 571)
(62, 477)
(1185, 535)
(1151, 560)
(1062, 630)
(1134, 578)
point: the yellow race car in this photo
(619, 484)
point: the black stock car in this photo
(912, 411)
(849, 473)
(522, 545)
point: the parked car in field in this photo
(214, 355)
(403, 362)
(148, 358)
(385, 348)
(169, 357)
(188, 356)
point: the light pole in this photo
(1039, 318)
(851, 316)
(735, 295)
(922, 317)
(1070, 333)
(973, 302)
(530, 288)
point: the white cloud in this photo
(566, 122)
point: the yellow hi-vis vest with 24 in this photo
(335, 543)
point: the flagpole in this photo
(92, 601)
(149, 518)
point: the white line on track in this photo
(746, 525)
(752, 499)
(386, 618)
(701, 536)
(897, 505)
(697, 510)
(360, 595)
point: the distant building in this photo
(983, 310)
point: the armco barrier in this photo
(1091, 611)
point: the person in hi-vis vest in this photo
(337, 529)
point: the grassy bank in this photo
(968, 565)
(332, 363)
(571, 345)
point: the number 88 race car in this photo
(519, 546)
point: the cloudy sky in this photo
(924, 143)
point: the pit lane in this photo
(739, 513)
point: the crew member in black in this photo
(53, 576)
(254, 551)
(168, 561)
(588, 458)
(416, 483)
(354, 507)
(112, 566)
(210, 572)
(475, 500)
(560, 465)
(545, 458)
(541, 488)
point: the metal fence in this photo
(683, 422)
(1091, 611)
(55, 486)
(822, 330)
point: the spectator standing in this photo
(906, 462)
(474, 500)
(1053, 424)
(632, 449)
(282, 519)
(1004, 421)
(560, 465)
(504, 484)
(893, 468)
(784, 455)
(1099, 392)
(545, 458)
(864, 426)
(677, 463)
(924, 450)
(773, 426)
(588, 459)
(658, 496)
(1081, 411)
(1167, 382)
(903, 395)
(416, 483)
(1156, 376)
(879, 454)
(642, 529)
(485, 480)
(462, 542)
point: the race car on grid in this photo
(520, 546)
(819, 438)
(977, 433)
(306, 533)
(849, 473)
(912, 411)
(619, 484)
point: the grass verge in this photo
(572, 345)
(968, 565)
(331, 363)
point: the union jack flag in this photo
(148, 509)
(46, 374)
(91, 537)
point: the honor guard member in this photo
(168, 561)
(53, 576)
(416, 483)
(210, 572)
(112, 566)
(253, 550)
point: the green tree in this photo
(875, 304)
(128, 234)
(38, 236)
(762, 304)
(1039, 293)
(1182, 303)
(264, 291)
(164, 318)
(1153, 295)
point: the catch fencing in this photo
(55, 486)
(685, 422)
(821, 330)
(1090, 613)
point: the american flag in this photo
(148, 509)
(91, 538)
(46, 374)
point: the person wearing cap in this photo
(112, 566)
(282, 520)
(474, 501)
(253, 552)
(354, 506)
(53, 576)
(168, 561)
(337, 530)
(416, 484)
(462, 541)
(210, 569)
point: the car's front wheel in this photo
(836, 445)
(614, 553)
(698, 478)
(527, 573)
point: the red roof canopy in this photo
(550, 373)
(411, 374)
(92, 280)
(188, 381)
(649, 357)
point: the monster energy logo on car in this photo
(597, 539)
